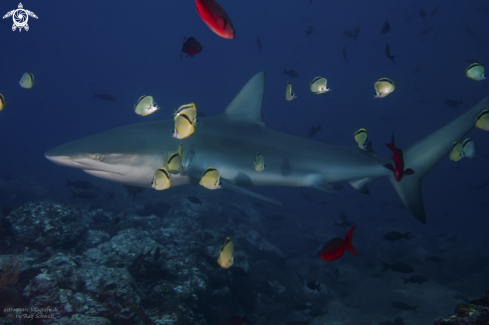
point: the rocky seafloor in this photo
(77, 267)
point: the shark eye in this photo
(98, 157)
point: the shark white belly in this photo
(229, 143)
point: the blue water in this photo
(130, 48)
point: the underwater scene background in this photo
(126, 255)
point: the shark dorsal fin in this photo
(247, 105)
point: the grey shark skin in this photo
(229, 142)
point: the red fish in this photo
(191, 47)
(335, 248)
(235, 320)
(215, 17)
(398, 158)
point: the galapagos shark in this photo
(229, 142)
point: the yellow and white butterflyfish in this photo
(211, 179)
(145, 106)
(27, 80)
(161, 179)
(226, 254)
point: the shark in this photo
(230, 141)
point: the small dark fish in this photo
(434, 11)
(84, 185)
(408, 19)
(314, 286)
(136, 264)
(469, 31)
(425, 31)
(258, 42)
(349, 33)
(95, 208)
(484, 184)
(385, 28)
(317, 313)
(453, 103)
(313, 130)
(302, 307)
(397, 321)
(422, 13)
(238, 271)
(461, 297)
(403, 306)
(309, 30)
(111, 196)
(157, 254)
(416, 279)
(235, 320)
(277, 217)
(388, 53)
(84, 195)
(395, 235)
(291, 73)
(142, 316)
(434, 259)
(190, 47)
(195, 200)
(6, 210)
(308, 197)
(259, 204)
(345, 223)
(353, 34)
(116, 220)
(345, 53)
(300, 278)
(104, 97)
(338, 186)
(398, 267)
(133, 190)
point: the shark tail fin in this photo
(425, 154)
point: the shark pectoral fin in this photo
(326, 187)
(409, 190)
(361, 184)
(230, 186)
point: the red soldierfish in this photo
(215, 17)
(190, 47)
(398, 158)
(335, 248)
(235, 320)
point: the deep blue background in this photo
(131, 48)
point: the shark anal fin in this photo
(230, 186)
(361, 184)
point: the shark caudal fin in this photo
(424, 155)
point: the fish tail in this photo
(319, 287)
(73, 194)
(285, 71)
(348, 245)
(68, 183)
(386, 266)
(414, 308)
(95, 94)
(425, 154)
(405, 281)
(406, 236)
